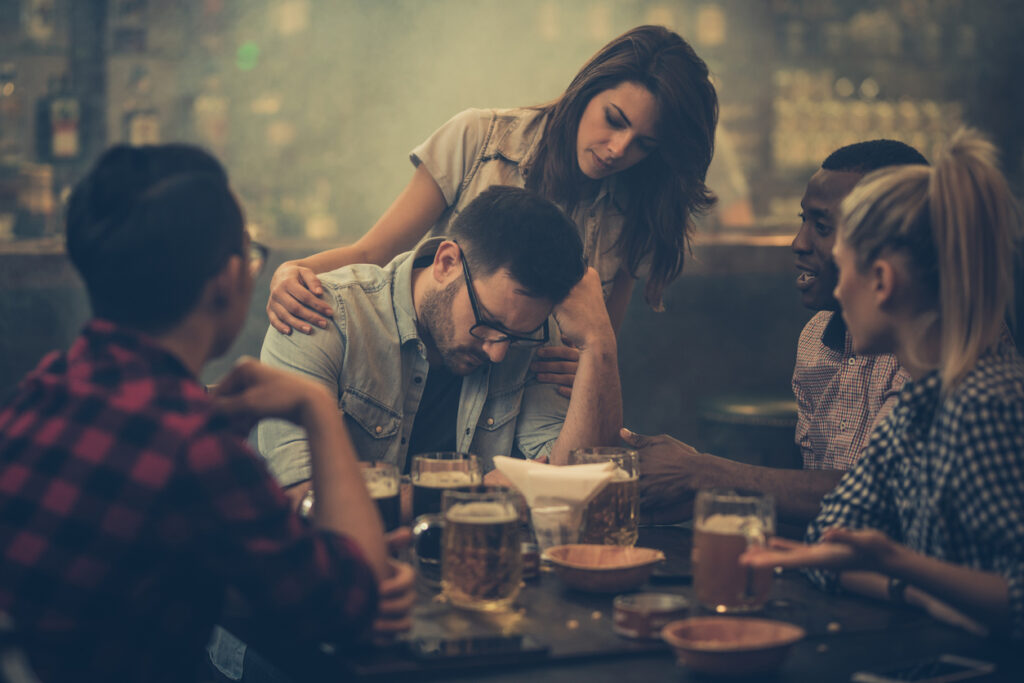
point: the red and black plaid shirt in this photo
(127, 507)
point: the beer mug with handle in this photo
(432, 474)
(481, 565)
(612, 517)
(383, 483)
(725, 524)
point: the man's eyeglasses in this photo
(256, 257)
(493, 332)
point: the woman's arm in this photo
(294, 288)
(859, 554)
(618, 299)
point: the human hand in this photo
(669, 473)
(293, 301)
(583, 317)
(839, 549)
(397, 595)
(253, 391)
(557, 365)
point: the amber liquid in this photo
(611, 518)
(481, 564)
(720, 582)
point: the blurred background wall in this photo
(314, 104)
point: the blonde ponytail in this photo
(958, 224)
(975, 222)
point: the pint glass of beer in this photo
(611, 517)
(434, 473)
(725, 524)
(481, 566)
(383, 483)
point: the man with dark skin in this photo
(840, 395)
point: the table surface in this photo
(845, 634)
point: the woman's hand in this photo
(839, 549)
(293, 299)
(557, 365)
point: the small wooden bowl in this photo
(731, 646)
(603, 568)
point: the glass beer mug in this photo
(383, 482)
(725, 524)
(481, 565)
(434, 473)
(612, 518)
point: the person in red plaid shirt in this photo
(129, 499)
(840, 395)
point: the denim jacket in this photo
(372, 358)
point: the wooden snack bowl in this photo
(731, 646)
(603, 568)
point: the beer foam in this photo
(729, 524)
(382, 488)
(481, 512)
(446, 480)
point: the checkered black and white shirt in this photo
(945, 477)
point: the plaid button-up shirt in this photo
(127, 507)
(945, 477)
(840, 396)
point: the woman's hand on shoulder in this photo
(293, 302)
(557, 365)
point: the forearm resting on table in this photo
(982, 595)
(875, 585)
(594, 416)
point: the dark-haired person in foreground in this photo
(432, 352)
(129, 499)
(840, 394)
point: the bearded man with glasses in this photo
(432, 352)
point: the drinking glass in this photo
(611, 518)
(481, 563)
(725, 524)
(383, 483)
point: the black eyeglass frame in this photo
(506, 335)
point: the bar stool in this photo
(754, 429)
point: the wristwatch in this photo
(306, 504)
(897, 589)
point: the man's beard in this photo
(436, 321)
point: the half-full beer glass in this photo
(481, 564)
(434, 473)
(611, 517)
(383, 483)
(725, 524)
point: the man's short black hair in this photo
(147, 228)
(508, 227)
(864, 157)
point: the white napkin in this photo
(557, 495)
(568, 484)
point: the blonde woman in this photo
(934, 511)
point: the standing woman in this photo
(624, 151)
(934, 510)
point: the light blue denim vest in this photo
(371, 357)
